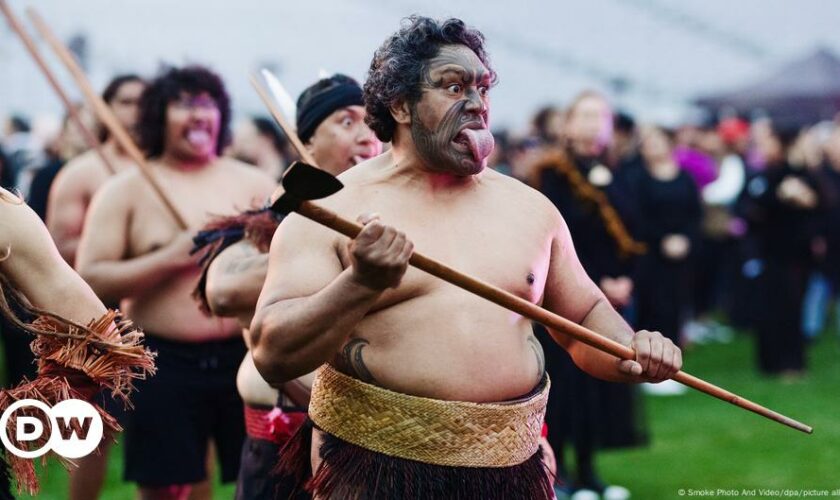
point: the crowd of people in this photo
(738, 218)
(729, 224)
(680, 230)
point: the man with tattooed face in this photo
(458, 142)
(424, 390)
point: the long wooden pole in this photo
(104, 113)
(305, 155)
(87, 135)
(514, 303)
(541, 315)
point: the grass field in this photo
(698, 443)
(702, 443)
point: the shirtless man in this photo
(77, 181)
(331, 121)
(390, 334)
(132, 251)
(69, 197)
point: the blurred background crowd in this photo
(725, 218)
(740, 200)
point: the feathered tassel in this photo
(294, 466)
(108, 355)
(354, 473)
(256, 226)
(74, 362)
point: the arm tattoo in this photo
(538, 351)
(352, 357)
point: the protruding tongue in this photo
(480, 141)
(198, 138)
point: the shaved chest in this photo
(489, 241)
(197, 200)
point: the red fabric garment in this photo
(274, 425)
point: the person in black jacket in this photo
(669, 204)
(829, 175)
(781, 205)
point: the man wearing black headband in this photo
(330, 121)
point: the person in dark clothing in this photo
(829, 176)
(780, 205)
(623, 155)
(7, 172)
(39, 191)
(669, 205)
(68, 144)
(584, 412)
(18, 357)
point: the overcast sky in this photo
(661, 53)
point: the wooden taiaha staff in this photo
(304, 153)
(87, 135)
(302, 183)
(104, 113)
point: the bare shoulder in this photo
(248, 173)
(114, 190)
(360, 180)
(517, 196)
(366, 172)
(83, 163)
(248, 177)
(82, 170)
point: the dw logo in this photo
(75, 428)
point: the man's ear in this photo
(401, 112)
(308, 146)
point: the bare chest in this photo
(491, 242)
(196, 200)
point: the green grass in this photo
(698, 442)
(54, 482)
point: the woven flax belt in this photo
(427, 430)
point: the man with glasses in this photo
(133, 251)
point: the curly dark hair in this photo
(166, 88)
(397, 67)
